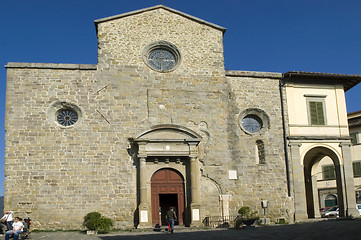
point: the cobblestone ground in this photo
(330, 230)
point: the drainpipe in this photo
(281, 84)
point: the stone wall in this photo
(255, 181)
(121, 41)
(54, 174)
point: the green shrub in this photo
(96, 222)
(245, 213)
(245, 217)
(90, 220)
(281, 221)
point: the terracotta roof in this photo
(354, 124)
(354, 114)
(348, 81)
(354, 119)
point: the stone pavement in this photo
(330, 230)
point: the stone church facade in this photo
(158, 122)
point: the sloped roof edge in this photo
(157, 7)
(347, 80)
(254, 74)
(67, 66)
(354, 118)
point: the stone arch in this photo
(177, 177)
(321, 151)
(210, 196)
(330, 200)
(168, 131)
(311, 158)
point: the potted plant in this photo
(246, 216)
(95, 222)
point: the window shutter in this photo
(313, 113)
(356, 169)
(353, 138)
(320, 116)
(328, 172)
(316, 112)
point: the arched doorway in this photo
(312, 159)
(330, 200)
(167, 187)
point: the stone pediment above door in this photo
(169, 132)
(167, 140)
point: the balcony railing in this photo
(219, 221)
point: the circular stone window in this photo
(64, 114)
(161, 56)
(253, 121)
(67, 117)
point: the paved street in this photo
(330, 230)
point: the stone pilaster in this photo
(195, 185)
(299, 183)
(349, 185)
(316, 202)
(144, 206)
(195, 202)
(144, 220)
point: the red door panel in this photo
(167, 181)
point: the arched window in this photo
(261, 153)
(358, 196)
(330, 200)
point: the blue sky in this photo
(262, 35)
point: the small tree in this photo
(246, 216)
(96, 222)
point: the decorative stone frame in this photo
(55, 107)
(162, 45)
(167, 140)
(260, 114)
(316, 98)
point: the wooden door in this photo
(167, 182)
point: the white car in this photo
(332, 212)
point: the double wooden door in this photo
(167, 191)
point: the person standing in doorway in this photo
(171, 217)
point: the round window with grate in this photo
(162, 56)
(162, 59)
(67, 117)
(252, 123)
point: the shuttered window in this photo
(317, 115)
(356, 169)
(354, 138)
(328, 172)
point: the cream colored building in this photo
(318, 132)
(354, 121)
(159, 122)
(325, 171)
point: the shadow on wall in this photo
(1, 205)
